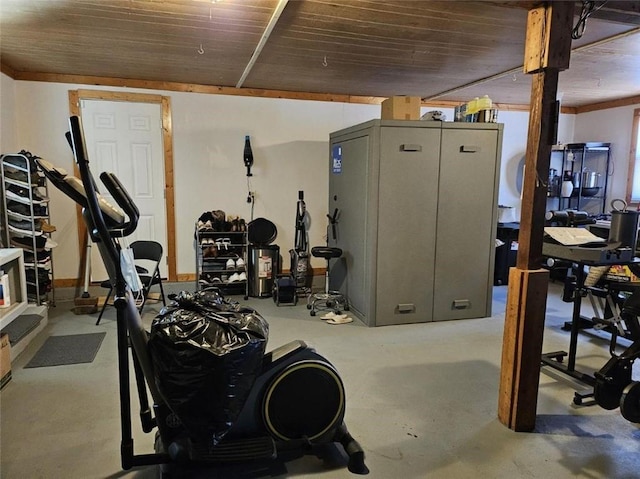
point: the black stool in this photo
(327, 300)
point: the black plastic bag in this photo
(207, 353)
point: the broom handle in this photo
(87, 268)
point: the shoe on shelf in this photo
(22, 177)
(242, 276)
(209, 251)
(21, 161)
(240, 263)
(28, 242)
(204, 226)
(24, 232)
(46, 227)
(25, 209)
(230, 264)
(14, 191)
(223, 243)
(207, 279)
(234, 278)
(24, 227)
(41, 257)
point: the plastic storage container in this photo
(484, 103)
(5, 294)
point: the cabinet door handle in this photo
(469, 149)
(410, 147)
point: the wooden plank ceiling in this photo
(439, 50)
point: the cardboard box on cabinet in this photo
(401, 108)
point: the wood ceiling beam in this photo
(626, 12)
(263, 40)
(619, 12)
(605, 105)
(519, 68)
(516, 4)
(7, 70)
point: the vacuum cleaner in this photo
(287, 288)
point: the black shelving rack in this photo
(572, 162)
(215, 251)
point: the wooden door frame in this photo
(75, 96)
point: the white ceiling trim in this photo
(263, 41)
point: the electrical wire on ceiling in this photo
(588, 8)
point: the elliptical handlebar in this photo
(124, 201)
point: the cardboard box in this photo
(5, 360)
(621, 273)
(401, 108)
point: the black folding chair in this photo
(149, 252)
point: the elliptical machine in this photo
(614, 386)
(295, 407)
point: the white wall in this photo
(289, 139)
(611, 126)
(514, 144)
(7, 113)
(42, 116)
(290, 146)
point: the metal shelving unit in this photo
(586, 165)
(25, 214)
(214, 250)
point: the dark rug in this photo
(21, 326)
(73, 349)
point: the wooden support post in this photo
(522, 348)
(544, 86)
(547, 50)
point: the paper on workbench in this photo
(572, 236)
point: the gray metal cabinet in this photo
(417, 204)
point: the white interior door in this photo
(125, 138)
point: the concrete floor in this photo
(421, 399)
